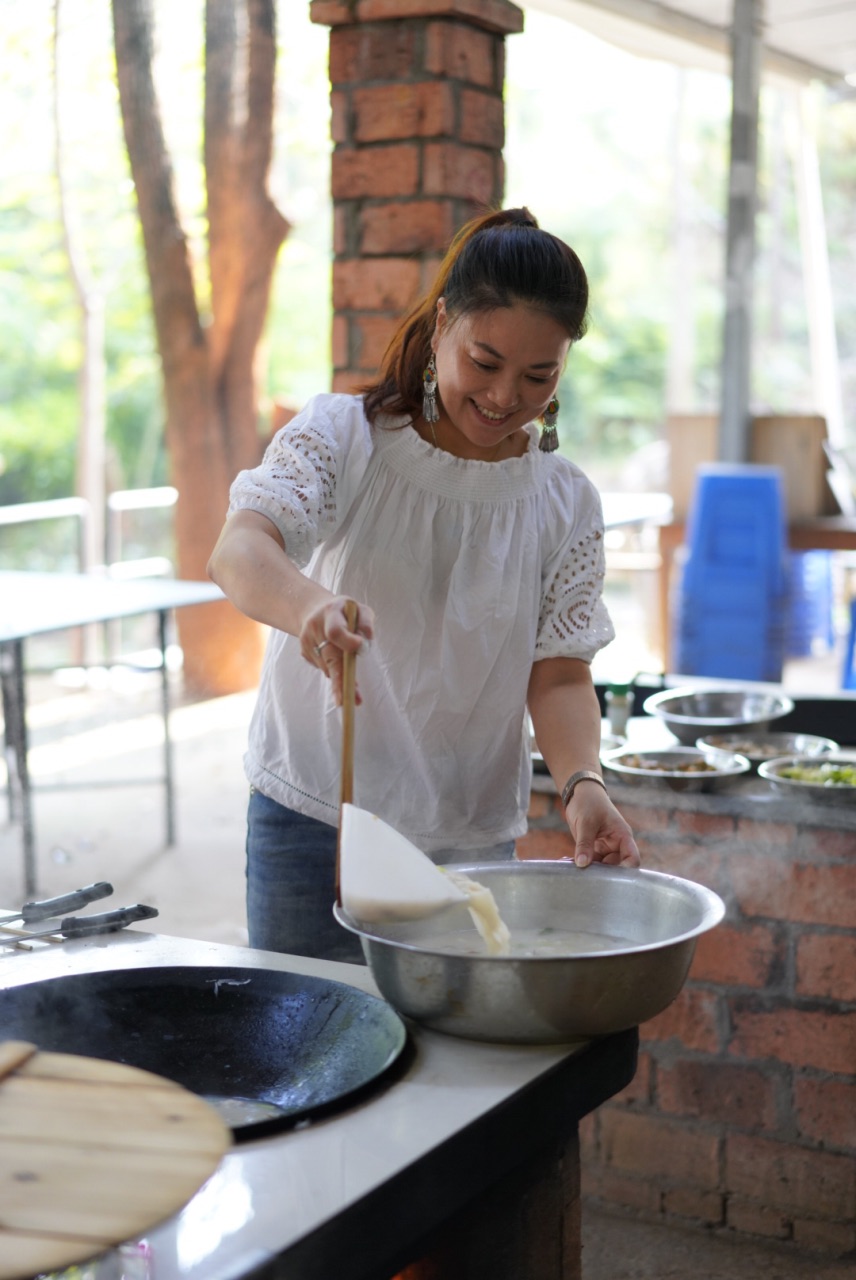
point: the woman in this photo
(476, 560)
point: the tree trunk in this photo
(209, 375)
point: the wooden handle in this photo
(13, 1054)
(349, 694)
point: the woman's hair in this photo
(496, 260)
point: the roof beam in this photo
(704, 43)
(740, 233)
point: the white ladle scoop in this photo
(383, 877)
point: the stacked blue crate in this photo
(848, 674)
(730, 607)
(811, 623)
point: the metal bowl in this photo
(670, 768)
(827, 792)
(758, 747)
(690, 713)
(614, 945)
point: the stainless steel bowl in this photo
(691, 713)
(758, 746)
(672, 768)
(826, 791)
(645, 923)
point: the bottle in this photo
(619, 708)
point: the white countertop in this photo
(270, 1193)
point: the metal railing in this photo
(119, 504)
(21, 513)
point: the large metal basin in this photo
(647, 924)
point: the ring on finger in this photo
(319, 647)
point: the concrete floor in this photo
(109, 728)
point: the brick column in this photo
(418, 126)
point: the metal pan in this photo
(266, 1048)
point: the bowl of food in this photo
(590, 952)
(829, 778)
(676, 768)
(690, 713)
(758, 747)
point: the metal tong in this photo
(31, 912)
(86, 926)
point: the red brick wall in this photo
(418, 128)
(743, 1112)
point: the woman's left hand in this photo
(599, 832)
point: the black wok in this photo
(267, 1048)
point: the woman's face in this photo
(496, 371)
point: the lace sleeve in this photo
(297, 485)
(574, 621)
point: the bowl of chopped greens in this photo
(828, 778)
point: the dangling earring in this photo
(549, 436)
(430, 412)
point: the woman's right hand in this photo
(250, 564)
(325, 637)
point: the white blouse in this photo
(475, 570)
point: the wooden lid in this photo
(92, 1154)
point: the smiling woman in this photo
(475, 561)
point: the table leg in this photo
(167, 740)
(16, 751)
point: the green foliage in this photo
(612, 168)
(38, 373)
(597, 166)
(40, 320)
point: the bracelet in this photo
(582, 775)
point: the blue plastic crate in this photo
(848, 675)
(729, 603)
(741, 654)
(811, 601)
(736, 528)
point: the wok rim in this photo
(713, 913)
(281, 1119)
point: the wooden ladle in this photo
(349, 701)
(388, 878)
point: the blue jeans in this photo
(291, 882)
